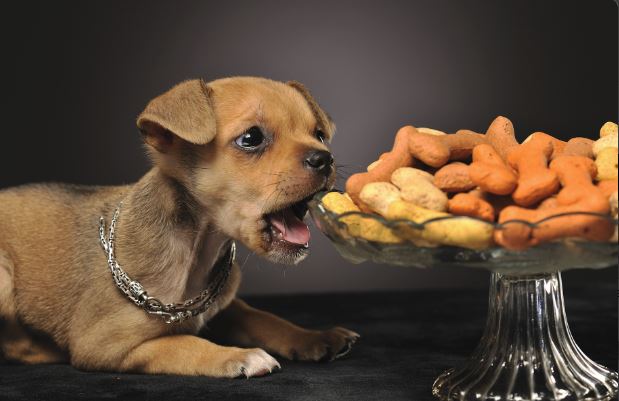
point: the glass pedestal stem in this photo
(527, 351)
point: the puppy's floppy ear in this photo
(185, 111)
(323, 118)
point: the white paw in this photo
(251, 363)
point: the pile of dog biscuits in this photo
(429, 174)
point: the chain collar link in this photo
(170, 313)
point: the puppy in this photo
(234, 159)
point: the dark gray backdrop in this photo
(82, 71)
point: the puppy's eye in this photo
(321, 136)
(250, 139)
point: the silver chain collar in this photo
(170, 313)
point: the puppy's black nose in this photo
(319, 161)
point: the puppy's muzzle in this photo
(319, 162)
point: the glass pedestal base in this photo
(527, 351)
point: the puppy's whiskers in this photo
(266, 201)
(278, 195)
(275, 183)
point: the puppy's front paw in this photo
(248, 363)
(322, 346)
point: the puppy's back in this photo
(33, 210)
(49, 238)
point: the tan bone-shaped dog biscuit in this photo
(462, 231)
(416, 186)
(379, 196)
(609, 128)
(606, 162)
(358, 226)
(608, 141)
(454, 177)
(437, 150)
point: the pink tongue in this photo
(292, 229)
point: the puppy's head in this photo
(250, 152)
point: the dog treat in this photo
(579, 147)
(430, 131)
(579, 194)
(490, 173)
(576, 146)
(372, 165)
(398, 157)
(613, 202)
(471, 204)
(339, 203)
(454, 177)
(557, 145)
(608, 141)
(542, 177)
(536, 181)
(608, 186)
(359, 226)
(463, 232)
(501, 136)
(416, 186)
(606, 162)
(548, 203)
(609, 189)
(609, 128)
(375, 163)
(429, 149)
(405, 174)
(379, 196)
(437, 150)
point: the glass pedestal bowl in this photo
(526, 351)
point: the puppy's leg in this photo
(190, 355)
(243, 325)
(21, 345)
(16, 342)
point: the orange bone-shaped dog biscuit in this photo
(579, 194)
(576, 146)
(490, 173)
(471, 204)
(557, 145)
(399, 156)
(437, 150)
(536, 181)
(501, 135)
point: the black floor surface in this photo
(408, 338)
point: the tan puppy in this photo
(233, 159)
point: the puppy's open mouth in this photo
(285, 225)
